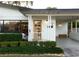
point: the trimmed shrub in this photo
(0, 45)
(30, 50)
(25, 43)
(10, 37)
(43, 44)
(8, 45)
(24, 47)
(33, 43)
(48, 44)
(18, 44)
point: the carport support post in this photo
(76, 26)
(71, 26)
(49, 25)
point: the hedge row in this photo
(30, 50)
(10, 37)
(24, 47)
(25, 43)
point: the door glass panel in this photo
(37, 30)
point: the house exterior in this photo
(40, 24)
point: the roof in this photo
(13, 14)
(50, 11)
(26, 10)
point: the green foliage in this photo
(0, 45)
(78, 24)
(25, 43)
(43, 44)
(69, 24)
(48, 44)
(10, 37)
(74, 24)
(18, 44)
(24, 47)
(8, 45)
(30, 50)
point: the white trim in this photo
(71, 27)
(30, 28)
(54, 14)
(48, 27)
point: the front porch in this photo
(49, 27)
(41, 28)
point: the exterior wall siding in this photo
(48, 33)
(62, 29)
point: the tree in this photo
(51, 8)
(31, 3)
(18, 3)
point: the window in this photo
(74, 24)
(24, 26)
(13, 26)
(1, 26)
(77, 26)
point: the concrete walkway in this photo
(70, 47)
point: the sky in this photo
(61, 4)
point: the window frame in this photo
(3, 24)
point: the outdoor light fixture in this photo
(46, 21)
(52, 26)
(60, 25)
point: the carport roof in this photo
(49, 11)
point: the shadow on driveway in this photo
(70, 47)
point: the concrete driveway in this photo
(70, 47)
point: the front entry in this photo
(37, 30)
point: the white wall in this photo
(48, 34)
(62, 29)
(30, 28)
(7, 13)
